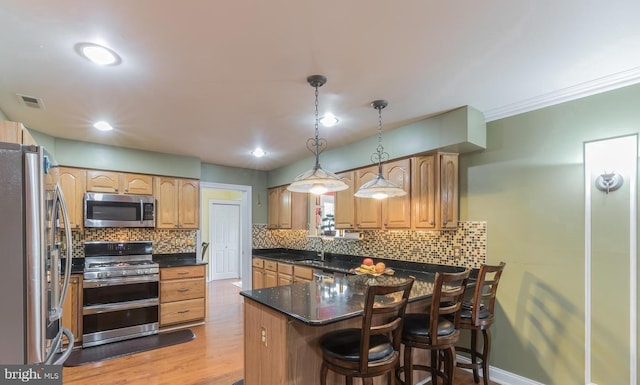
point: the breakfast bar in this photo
(283, 324)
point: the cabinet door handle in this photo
(183, 311)
(183, 289)
(116, 189)
(182, 272)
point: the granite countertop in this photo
(324, 302)
(343, 263)
(177, 259)
(327, 301)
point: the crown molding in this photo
(592, 87)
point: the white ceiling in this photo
(214, 79)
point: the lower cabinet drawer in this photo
(181, 289)
(181, 311)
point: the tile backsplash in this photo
(406, 245)
(164, 241)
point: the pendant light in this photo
(379, 188)
(317, 180)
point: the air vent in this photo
(32, 101)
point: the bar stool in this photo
(478, 316)
(374, 349)
(435, 331)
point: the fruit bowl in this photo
(363, 270)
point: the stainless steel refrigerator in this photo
(33, 281)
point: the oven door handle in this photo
(118, 281)
(96, 309)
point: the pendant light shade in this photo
(317, 180)
(379, 188)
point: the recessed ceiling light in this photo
(98, 54)
(258, 152)
(329, 120)
(102, 126)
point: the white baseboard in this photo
(502, 376)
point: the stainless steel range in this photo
(120, 292)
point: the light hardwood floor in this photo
(215, 357)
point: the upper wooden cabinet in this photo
(448, 191)
(14, 132)
(178, 203)
(391, 213)
(119, 183)
(396, 212)
(434, 191)
(287, 210)
(368, 210)
(72, 182)
(345, 210)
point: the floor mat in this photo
(123, 348)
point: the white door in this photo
(224, 236)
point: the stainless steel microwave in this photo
(114, 210)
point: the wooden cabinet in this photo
(287, 210)
(267, 273)
(14, 132)
(178, 203)
(368, 210)
(274, 208)
(119, 183)
(72, 308)
(270, 273)
(396, 212)
(448, 191)
(391, 213)
(285, 274)
(302, 274)
(257, 273)
(182, 296)
(345, 213)
(72, 183)
(434, 191)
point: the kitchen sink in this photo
(311, 262)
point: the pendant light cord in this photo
(380, 155)
(317, 139)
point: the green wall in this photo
(92, 155)
(460, 130)
(241, 176)
(529, 186)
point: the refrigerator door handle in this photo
(67, 234)
(56, 356)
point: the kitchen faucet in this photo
(321, 252)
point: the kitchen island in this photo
(283, 324)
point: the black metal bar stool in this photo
(374, 349)
(478, 316)
(436, 330)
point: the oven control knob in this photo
(139, 272)
(107, 274)
(124, 273)
(99, 275)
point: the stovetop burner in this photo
(130, 260)
(120, 264)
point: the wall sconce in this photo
(609, 181)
